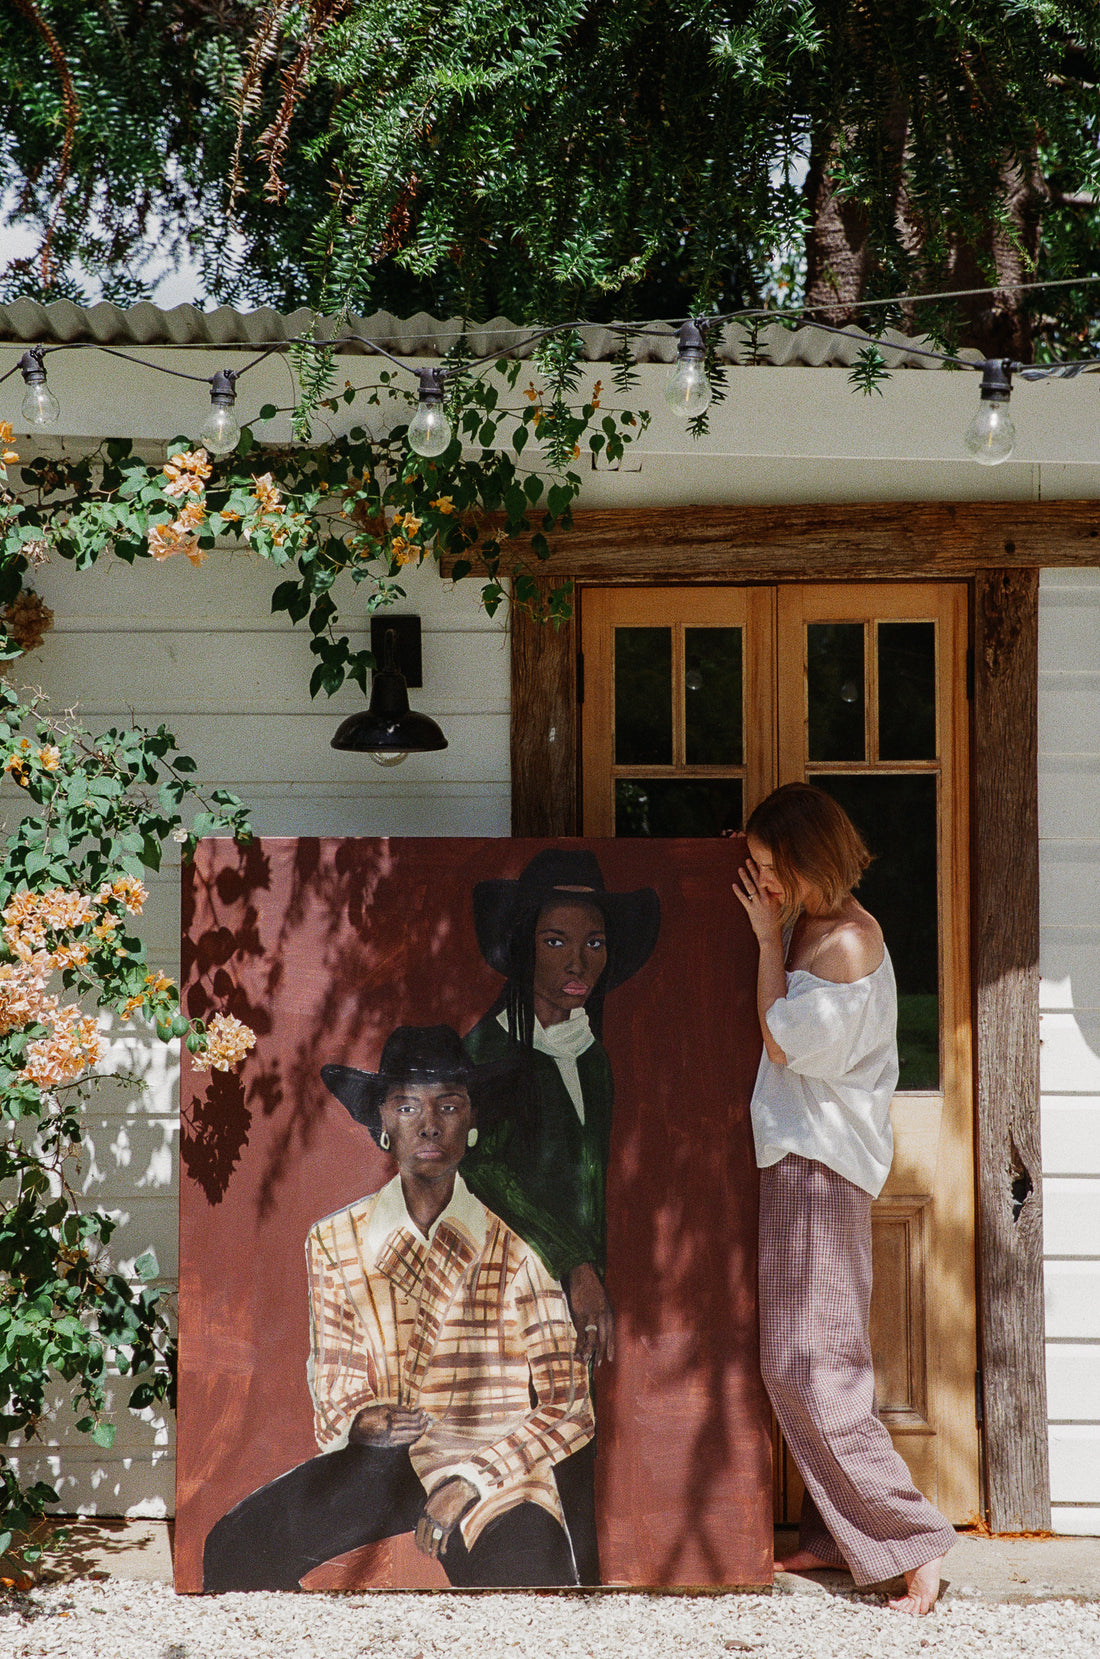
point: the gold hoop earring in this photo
(471, 1137)
(384, 1141)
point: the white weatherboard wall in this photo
(199, 650)
(1069, 847)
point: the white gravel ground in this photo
(133, 1620)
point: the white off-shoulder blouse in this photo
(831, 1101)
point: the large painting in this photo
(468, 1274)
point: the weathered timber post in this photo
(1006, 1039)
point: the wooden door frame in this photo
(1000, 548)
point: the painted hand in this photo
(387, 1425)
(441, 1514)
(593, 1315)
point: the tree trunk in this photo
(841, 267)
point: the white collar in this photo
(564, 1043)
(391, 1213)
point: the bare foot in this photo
(803, 1562)
(922, 1585)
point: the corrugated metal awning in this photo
(26, 322)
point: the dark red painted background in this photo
(323, 946)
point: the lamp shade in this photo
(389, 726)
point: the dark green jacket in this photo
(549, 1188)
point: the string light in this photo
(429, 429)
(687, 390)
(991, 436)
(40, 407)
(221, 430)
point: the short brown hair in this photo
(809, 835)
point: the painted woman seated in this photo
(448, 1397)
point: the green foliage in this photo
(118, 130)
(345, 517)
(92, 815)
(869, 371)
(552, 158)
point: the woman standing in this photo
(827, 1004)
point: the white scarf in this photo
(564, 1043)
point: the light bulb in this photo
(388, 757)
(991, 436)
(221, 430)
(40, 407)
(429, 429)
(687, 390)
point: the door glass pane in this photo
(834, 684)
(675, 806)
(712, 696)
(897, 818)
(643, 696)
(907, 690)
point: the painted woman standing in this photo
(827, 1004)
(562, 941)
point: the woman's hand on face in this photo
(387, 1425)
(763, 908)
(593, 1315)
(442, 1513)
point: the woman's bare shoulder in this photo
(851, 950)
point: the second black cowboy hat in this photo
(421, 1054)
(566, 874)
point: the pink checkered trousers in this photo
(861, 1508)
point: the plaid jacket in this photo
(464, 1326)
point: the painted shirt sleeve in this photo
(342, 1375)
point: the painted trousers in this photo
(342, 1500)
(861, 1508)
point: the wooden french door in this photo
(698, 701)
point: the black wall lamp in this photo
(389, 729)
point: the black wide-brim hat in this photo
(568, 875)
(423, 1054)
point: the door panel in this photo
(904, 785)
(860, 689)
(678, 721)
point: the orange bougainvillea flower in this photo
(23, 999)
(227, 1041)
(403, 552)
(128, 890)
(178, 537)
(186, 473)
(266, 492)
(73, 1047)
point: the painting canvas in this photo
(329, 1343)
